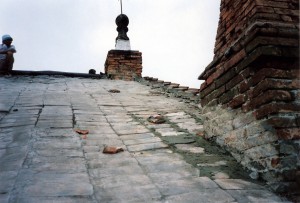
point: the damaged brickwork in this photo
(251, 97)
(123, 65)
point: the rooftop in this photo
(165, 159)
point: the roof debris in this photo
(112, 150)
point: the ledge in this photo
(57, 73)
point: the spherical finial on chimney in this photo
(122, 22)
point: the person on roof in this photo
(6, 54)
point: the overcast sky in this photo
(176, 37)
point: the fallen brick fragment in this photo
(82, 132)
(156, 119)
(112, 150)
(114, 91)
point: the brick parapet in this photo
(123, 65)
(255, 73)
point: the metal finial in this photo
(121, 6)
(122, 22)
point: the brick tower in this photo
(251, 97)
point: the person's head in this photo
(7, 40)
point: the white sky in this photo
(176, 37)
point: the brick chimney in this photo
(122, 63)
(251, 97)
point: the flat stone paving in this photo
(42, 158)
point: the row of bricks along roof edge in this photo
(187, 94)
(251, 94)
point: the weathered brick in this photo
(268, 96)
(249, 59)
(288, 133)
(275, 162)
(270, 83)
(226, 77)
(203, 86)
(283, 11)
(237, 101)
(272, 4)
(183, 88)
(267, 40)
(266, 16)
(297, 120)
(244, 86)
(264, 9)
(235, 59)
(227, 96)
(246, 72)
(208, 90)
(281, 122)
(234, 81)
(215, 75)
(206, 101)
(216, 93)
(286, 18)
(273, 108)
(173, 85)
(275, 73)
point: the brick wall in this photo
(123, 65)
(251, 96)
